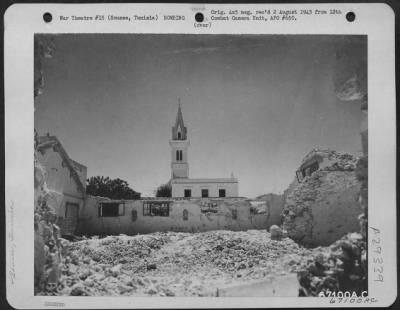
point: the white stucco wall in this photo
(62, 187)
(213, 185)
(92, 224)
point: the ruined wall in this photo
(58, 176)
(61, 186)
(275, 205)
(345, 268)
(81, 170)
(323, 207)
(231, 214)
(47, 249)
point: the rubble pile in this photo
(341, 267)
(322, 199)
(362, 176)
(277, 233)
(174, 264)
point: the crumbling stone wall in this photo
(47, 244)
(275, 205)
(346, 266)
(47, 250)
(323, 206)
(65, 195)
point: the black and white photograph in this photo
(200, 155)
(200, 165)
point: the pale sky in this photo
(254, 105)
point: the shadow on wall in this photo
(275, 205)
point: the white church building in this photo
(182, 185)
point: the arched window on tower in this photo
(179, 155)
(179, 132)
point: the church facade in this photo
(182, 185)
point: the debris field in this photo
(175, 264)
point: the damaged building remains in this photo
(319, 207)
(324, 187)
(203, 236)
(321, 203)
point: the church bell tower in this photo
(179, 148)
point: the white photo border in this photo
(22, 21)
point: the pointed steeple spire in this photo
(179, 131)
(179, 117)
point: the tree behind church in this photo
(111, 188)
(164, 190)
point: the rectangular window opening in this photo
(188, 193)
(209, 207)
(146, 209)
(111, 209)
(155, 208)
(222, 192)
(179, 155)
(204, 193)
